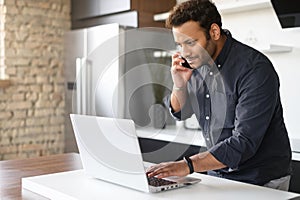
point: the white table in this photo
(76, 185)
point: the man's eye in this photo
(191, 43)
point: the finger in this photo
(177, 65)
(155, 172)
(148, 171)
(176, 61)
(163, 175)
(176, 55)
(179, 68)
(151, 168)
(154, 167)
(161, 171)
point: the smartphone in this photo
(186, 64)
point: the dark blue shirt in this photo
(237, 104)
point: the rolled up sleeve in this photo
(183, 114)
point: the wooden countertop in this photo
(11, 172)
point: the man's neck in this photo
(220, 44)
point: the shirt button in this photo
(207, 117)
(211, 73)
(207, 139)
(219, 66)
(207, 96)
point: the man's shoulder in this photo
(238, 45)
(247, 52)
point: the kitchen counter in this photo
(179, 134)
(173, 133)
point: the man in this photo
(228, 77)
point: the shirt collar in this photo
(225, 50)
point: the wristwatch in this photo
(189, 162)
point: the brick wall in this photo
(32, 108)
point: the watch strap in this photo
(189, 163)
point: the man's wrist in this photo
(189, 163)
(179, 88)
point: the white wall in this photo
(263, 26)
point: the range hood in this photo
(288, 12)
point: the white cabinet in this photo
(241, 5)
(231, 6)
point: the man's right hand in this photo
(180, 74)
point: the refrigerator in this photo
(109, 72)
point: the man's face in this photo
(193, 44)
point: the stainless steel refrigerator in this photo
(109, 72)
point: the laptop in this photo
(110, 151)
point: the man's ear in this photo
(215, 31)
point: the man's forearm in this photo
(205, 161)
(178, 98)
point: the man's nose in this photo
(185, 51)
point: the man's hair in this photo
(202, 11)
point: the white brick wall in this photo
(32, 108)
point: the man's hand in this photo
(180, 74)
(203, 161)
(166, 169)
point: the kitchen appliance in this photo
(80, 74)
(288, 12)
(109, 72)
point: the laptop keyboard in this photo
(156, 182)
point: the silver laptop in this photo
(110, 151)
